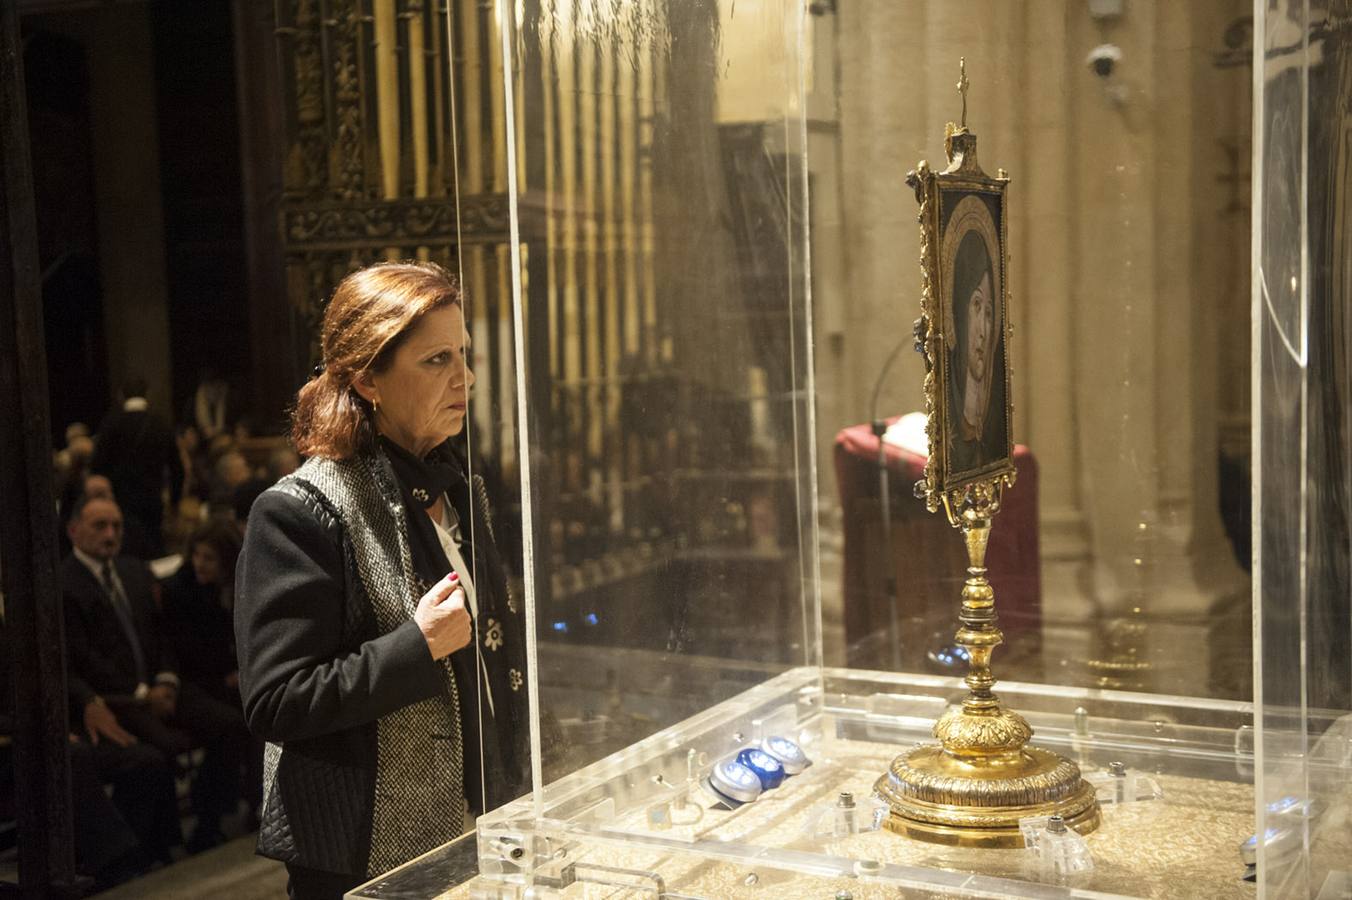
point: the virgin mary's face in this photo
(980, 324)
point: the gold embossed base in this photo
(942, 799)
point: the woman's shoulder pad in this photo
(293, 497)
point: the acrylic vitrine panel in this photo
(1120, 556)
(468, 103)
(1302, 272)
(660, 200)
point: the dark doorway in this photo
(56, 76)
(143, 265)
(203, 202)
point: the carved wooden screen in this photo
(374, 102)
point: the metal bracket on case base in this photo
(516, 865)
(556, 876)
(513, 862)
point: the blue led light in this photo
(591, 618)
(561, 627)
(766, 767)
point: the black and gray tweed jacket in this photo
(363, 768)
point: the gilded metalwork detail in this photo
(980, 802)
(927, 339)
(966, 735)
(914, 775)
(981, 779)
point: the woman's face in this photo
(980, 323)
(206, 563)
(423, 395)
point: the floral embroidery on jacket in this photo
(493, 634)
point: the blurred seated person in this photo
(136, 450)
(229, 472)
(117, 836)
(243, 430)
(114, 646)
(281, 462)
(140, 774)
(72, 464)
(197, 600)
(192, 456)
(217, 446)
(74, 457)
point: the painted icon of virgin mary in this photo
(977, 425)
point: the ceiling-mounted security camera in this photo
(1103, 59)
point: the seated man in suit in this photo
(115, 651)
(117, 837)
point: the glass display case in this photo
(1303, 616)
(640, 820)
(1188, 805)
(680, 363)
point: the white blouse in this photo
(461, 567)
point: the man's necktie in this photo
(123, 609)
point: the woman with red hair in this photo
(380, 654)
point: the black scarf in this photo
(426, 479)
(422, 482)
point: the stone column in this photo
(1146, 352)
(1047, 328)
(884, 98)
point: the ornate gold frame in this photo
(975, 785)
(942, 486)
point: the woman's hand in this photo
(442, 618)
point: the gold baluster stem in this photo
(978, 633)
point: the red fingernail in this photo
(453, 577)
